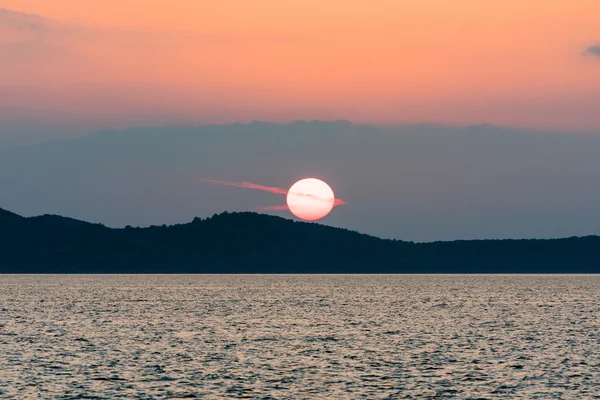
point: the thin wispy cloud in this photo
(18, 27)
(336, 202)
(61, 51)
(247, 185)
(593, 51)
(270, 189)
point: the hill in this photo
(256, 243)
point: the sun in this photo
(310, 199)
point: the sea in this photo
(299, 336)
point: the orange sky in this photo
(511, 62)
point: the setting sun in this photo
(310, 199)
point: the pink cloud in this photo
(270, 189)
(247, 185)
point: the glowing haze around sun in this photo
(310, 199)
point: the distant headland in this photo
(256, 243)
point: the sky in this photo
(78, 65)
(413, 182)
(464, 119)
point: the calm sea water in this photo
(151, 336)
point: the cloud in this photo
(593, 51)
(20, 27)
(337, 202)
(35, 50)
(271, 189)
(31, 40)
(248, 185)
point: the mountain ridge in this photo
(248, 242)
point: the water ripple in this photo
(277, 337)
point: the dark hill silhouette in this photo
(256, 243)
(8, 217)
